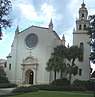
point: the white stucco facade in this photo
(81, 38)
(27, 65)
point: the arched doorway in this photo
(29, 76)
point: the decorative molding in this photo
(30, 60)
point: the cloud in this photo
(39, 12)
(28, 11)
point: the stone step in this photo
(6, 90)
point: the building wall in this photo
(41, 53)
(24, 60)
(80, 36)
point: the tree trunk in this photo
(54, 75)
(70, 76)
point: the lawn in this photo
(53, 94)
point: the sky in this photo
(26, 13)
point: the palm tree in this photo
(60, 51)
(53, 65)
(72, 69)
(63, 69)
(73, 53)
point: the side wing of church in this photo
(29, 55)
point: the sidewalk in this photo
(6, 90)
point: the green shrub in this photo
(59, 88)
(49, 87)
(3, 79)
(78, 83)
(88, 85)
(7, 85)
(75, 88)
(61, 82)
(25, 89)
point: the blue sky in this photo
(26, 13)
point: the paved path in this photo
(6, 90)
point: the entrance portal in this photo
(29, 75)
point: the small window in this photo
(79, 27)
(91, 70)
(80, 72)
(84, 27)
(81, 45)
(10, 66)
(82, 15)
(5, 64)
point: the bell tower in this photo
(82, 23)
(81, 38)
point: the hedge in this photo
(24, 89)
(7, 85)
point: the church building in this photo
(30, 52)
(32, 47)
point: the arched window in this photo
(79, 27)
(82, 16)
(81, 45)
(10, 66)
(84, 27)
(5, 64)
(80, 72)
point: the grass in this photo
(53, 94)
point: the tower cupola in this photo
(83, 12)
(82, 22)
(83, 5)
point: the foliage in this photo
(88, 85)
(57, 62)
(61, 82)
(57, 87)
(3, 78)
(5, 8)
(53, 64)
(4, 83)
(91, 32)
(25, 89)
(61, 52)
(7, 85)
(73, 53)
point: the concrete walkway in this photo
(6, 90)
